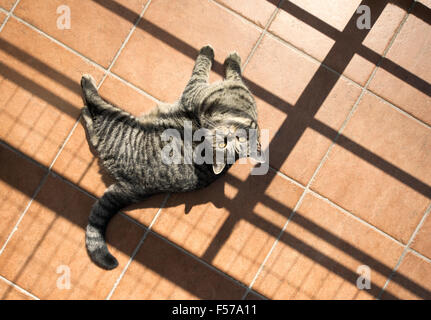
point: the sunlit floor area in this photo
(344, 88)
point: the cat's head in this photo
(232, 122)
(232, 141)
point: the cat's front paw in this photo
(233, 58)
(207, 51)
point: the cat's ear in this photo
(218, 167)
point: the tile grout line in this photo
(337, 206)
(15, 228)
(61, 44)
(350, 214)
(129, 35)
(405, 251)
(138, 246)
(349, 116)
(19, 288)
(9, 14)
(86, 59)
(403, 112)
(262, 35)
(420, 255)
(286, 177)
(4, 11)
(236, 14)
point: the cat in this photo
(131, 148)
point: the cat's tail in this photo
(113, 200)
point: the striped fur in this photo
(130, 148)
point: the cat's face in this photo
(229, 113)
(232, 142)
(235, 135)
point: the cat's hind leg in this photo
(232, 66)
(89, 93)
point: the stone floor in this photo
(346, 200)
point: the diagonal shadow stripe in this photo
(307, 105)
(362, 50)
(372, 158)
(318, 89)
(39, 91)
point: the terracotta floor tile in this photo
(422, 240)
(396, 146)
(2, 17)
(40, 99)
(160, 54)
(256, 11)
(126, 97)
(411, 281)
(9, 292)
(410, 51)
(161, 271)
(97, 28)
(319, 254)
(233, 223)
(19, 179)
(289, 105)
(315, 27)
(51, 239)
(78, 164)
(7, 4)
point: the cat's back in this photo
(137, 154)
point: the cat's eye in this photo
(242, 139)
(222, 145)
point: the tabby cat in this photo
(131, 148)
